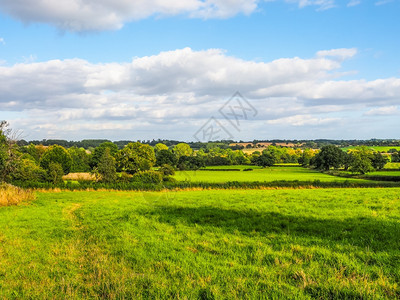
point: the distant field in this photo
(217, 244)
(375, 148)
(258, 174)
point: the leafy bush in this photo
(167, 170)
(148, 177)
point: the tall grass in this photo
(12, 195)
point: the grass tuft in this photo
(12, 195)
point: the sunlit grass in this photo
(12, 195)
(214, 244)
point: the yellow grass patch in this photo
(12, 195)
(79, 176)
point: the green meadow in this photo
(257, 174)
(206, 244)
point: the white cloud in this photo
(182, 88)
(95, 15)
(321, 4)
(383, 111)
(341, 54)
(2, 41)
(353, 3)
(88, 15)
(301, 120)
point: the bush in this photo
(55, 173)
(167, 170)
(148, 177)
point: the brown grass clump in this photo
(79, 176)
(12, 195)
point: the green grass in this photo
(258, 174)
(375, 148)
(392, 165)
(218, 244)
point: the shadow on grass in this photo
(377, 235)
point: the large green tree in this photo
(329, 157)
(136, 157)
(98, 152)
(56, 154)
(106, 167)
(182, 149)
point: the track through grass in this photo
(203, 244)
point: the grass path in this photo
(213, 244)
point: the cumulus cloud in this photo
(184, 88)
(94, 15)
(88, 15)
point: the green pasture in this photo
(258, 174)
(210, 244)
(375, 148)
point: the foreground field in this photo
(217, 244)
(258, 174)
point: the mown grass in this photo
(259, 174)
(217, 244)
(375, 148)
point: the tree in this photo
(56, 154)
(98, 153)
(182, 149)
(378, 161)
(165, 157)
(329, 157)
(160, 146)
(266, 159)
(80, 159)
(106, 167)
(55, 172)
(8, 151)
(136, 157)
(190, 163)
(360, 163)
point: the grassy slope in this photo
(203, 244)
(258, 174)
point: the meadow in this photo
(275, 173)
(206, 244)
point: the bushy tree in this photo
(136, 157)
(182, 149)
(55, 172)
(190, 163)
(160, 146)
(329, 157)
(80, 159)
(266, 159)
(57, 154)
(378, 161)
(360, 163)
(165, 157)
(106, 167)
(98, 153)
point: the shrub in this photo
(55, 173)
(167, 170)
(148, 177)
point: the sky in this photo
(200, 69)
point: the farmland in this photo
(257, 174)
(203, 244)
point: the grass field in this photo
(258, 174)
(375, 148)
(216, 244)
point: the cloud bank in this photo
(95, 15)
(181, 89)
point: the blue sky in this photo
(160, 69)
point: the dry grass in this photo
(79, 176)
(12, 195)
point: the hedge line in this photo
(135, 186)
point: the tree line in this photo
(136, 161)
